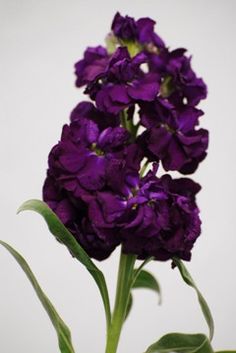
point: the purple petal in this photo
(145, 89)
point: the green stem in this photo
(124, 282)
(143, 169)
(128, 124)
(123, 119)
(139, 269)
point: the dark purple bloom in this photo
(146, 34)
(162, 218)
(91, 66)
(172, 137)
(89, 111)
(124, 27)
(144, 89)
(90, 160)
(157, 217)
(82, 159)
(113, 98)
(186, 84)
(123, 83)
(73, 212)
(94, 183)
(179, 82)
(142, 31)
(118, 82)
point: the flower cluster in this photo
(142, 109)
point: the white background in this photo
(39, 43)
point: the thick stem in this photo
(124, 282)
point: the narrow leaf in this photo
(146, 280)
(225, 352)
(143, 279)
(63, 332)
(204, 306)
(58, 229)
(181, 343)
(129, 306)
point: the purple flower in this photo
(123, 83)
(89, 163)
(124, 27)
(142, 31)
(172, 137)
(91, 66)
(94, 187)
(162, 218)
(85, 148)
(93, 182)
(89, 111)
(73, 212)
(186, 84)
(157, 217)
(179, 82)
(117, 82)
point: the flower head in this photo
(172, 137)
(91, 66)
(85, 147)
(162, 218)
(180, 84)
(89, 160)
(73, 212)
(144, 104)
(141, 31)
(119, 83)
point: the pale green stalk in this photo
(124, 283)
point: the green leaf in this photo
(63, 332)
(225, 352)
(143, 279)
(181, 343)
(64, 236)
(204, 306)
(146, 280)
(129, 306)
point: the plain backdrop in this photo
(39, 43)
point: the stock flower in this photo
(157, 217)
(73, 212)
(121, 83)
(124, 27)
(162, 218)
(85, 148)
(91, 66)
(171, 136)
(90, 159)
(94, 183)
(89, 111)
(142, 31)
(179, 82)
